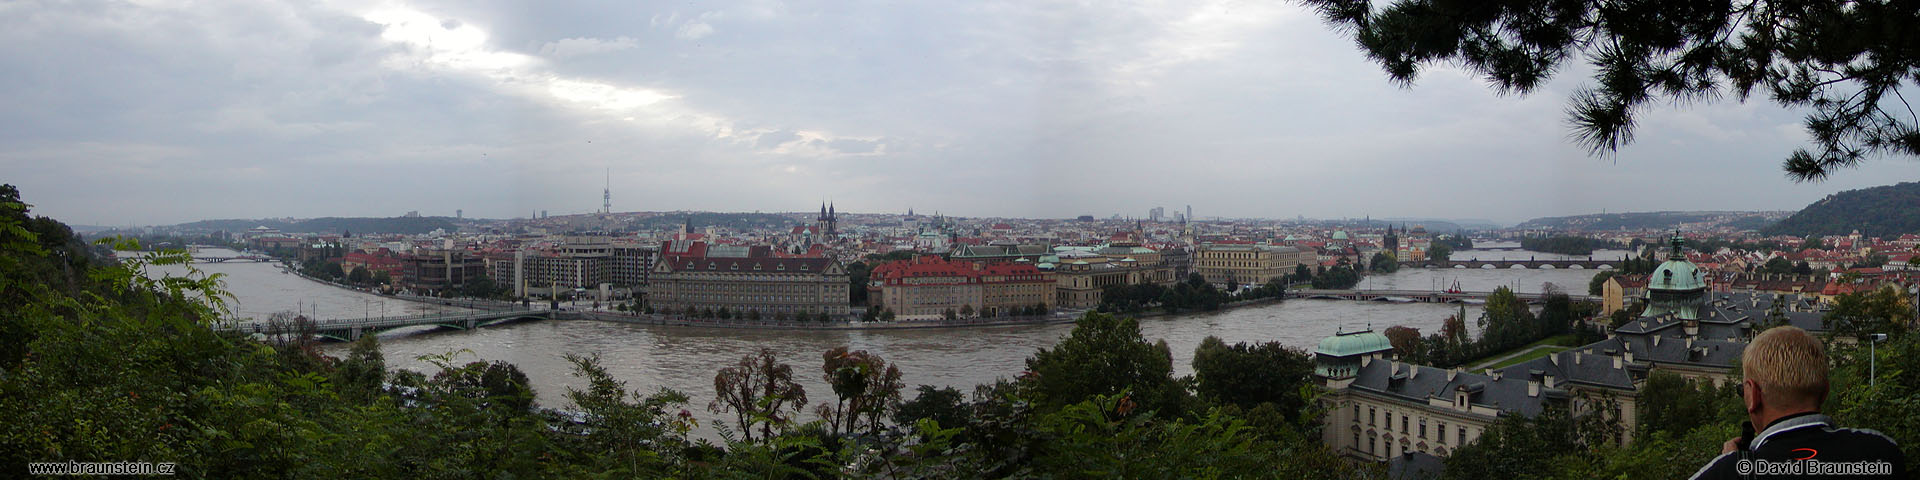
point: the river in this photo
(686, 358)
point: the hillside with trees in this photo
(1565, 245)
(1877, 212)
(1654, 221)
(357, 225)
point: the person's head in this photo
(1786, 373)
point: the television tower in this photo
(606, 195)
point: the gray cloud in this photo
(158, 113)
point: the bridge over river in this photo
(242, 258)
(347, 330)
(1424, 296)
(1588, 264)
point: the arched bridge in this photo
(1588, 264)
(347, 330)
(1425, 296)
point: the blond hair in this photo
(1789, 364)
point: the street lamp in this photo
(1873, 355)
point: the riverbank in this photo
(1051, 319)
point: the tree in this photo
(945, 406)
(333, 271)
(858, 273)
(1440, 253)
(949, 314)
(478, 287)
(1302, 273)
(1872, 261)
(1802, 268)
(1247, 375)
(1383, 262)
(359, 276)
(1813, 243)
(759, 390)
(1405, 341)
(1882, 310)
(1671, 403)
(1105, 355)
(866, 386)
(1598, 284)
(382, 278)
(1846, 61)
(966, 311)
(1778, 265)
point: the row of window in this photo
(1440, 430)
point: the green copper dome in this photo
(1340, 235)
(1676, 275)
(1348, 344)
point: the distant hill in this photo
(1655, 221)
(1876, 212)
(357, 225)
(737, 221)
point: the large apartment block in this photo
(1248, 263)
(928, 287)
(764, 283)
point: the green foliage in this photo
(1517, 447)
(1882, 310)
(1250, 375)
(1845, 61)
(1565, 245)
(1673, 405)
(946, 407)
(759, 390)
(1882, 211)
(1339, 277)
(1105, 355)
(1778, 265)
(483, 287)
(865, 385)
(1598, 284)
(1889, 403)
(1383, 262)
(1439, 253)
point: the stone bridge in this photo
(347, 330)
(1588, 264)
(1424, 296)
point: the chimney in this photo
(1629, 356)
(1549, 382)
(1452, 373)
(1656, 340)
(1616, 362)
(1412, 371)
(1533, 388)
(1576, 357)
(1555, 359)
(1496, 374)
(1689, 342)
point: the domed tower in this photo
(1677, 287)
(1341, 355)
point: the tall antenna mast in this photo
(606, 195)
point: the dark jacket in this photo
(1796, 443)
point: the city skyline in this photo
(999, 110)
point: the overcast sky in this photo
(159, 112)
